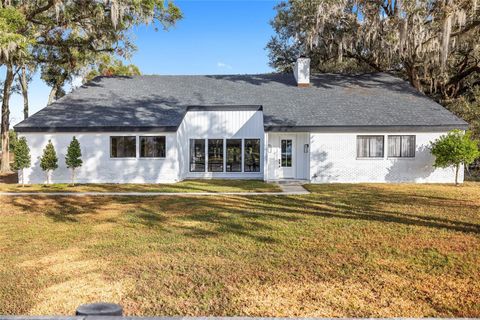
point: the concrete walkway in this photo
(292, 186)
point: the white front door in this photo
(286, 157)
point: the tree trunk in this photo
(24, 85)
(52, 94)
(73, 177)
(413, 77)
(457, 169)
(7, 86)
(23, 180)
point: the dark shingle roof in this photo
(160, 102)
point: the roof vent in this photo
(301, 71)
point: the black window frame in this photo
(401, 151)
(240, 167)
(134, 138)
(369, 156)
(191, 155)
(245, 155)
(164, 138)
(217, 164)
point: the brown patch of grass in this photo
(344, 250)
(216, 185)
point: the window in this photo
(197, 155)
(286, 153)
(215, 155)
(152, 147)
(234, 155)
(123, 147)
(401, 146)
(370, 146)
(252, 155)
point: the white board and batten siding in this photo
(224, 124)
(98, 166)
(300, 170)
(333, 158)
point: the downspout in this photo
(265, 156)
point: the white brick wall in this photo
(333, 158)
(97, 166)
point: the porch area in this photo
(287, 157)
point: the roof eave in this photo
(366, 128)
(33, 129)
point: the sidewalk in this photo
(286, 191)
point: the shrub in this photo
(454, 149)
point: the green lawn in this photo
(184, 186)
(342, 251)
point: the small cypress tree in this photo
(73, 157)
(49, 160)
(454, 149)
(22, 157)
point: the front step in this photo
(291, 181)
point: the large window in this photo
(401, 146)
(234, 155)
(123, 147)
(252, 155)
(215, 155)
(370, 146)
(152, 147)
(197, 155)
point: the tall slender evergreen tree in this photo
(22, 157)
(49, 160)
(73, 157)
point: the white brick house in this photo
(324, 128)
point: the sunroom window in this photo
(234, 155)
(252, 155)
(215, 155)
(197, 155)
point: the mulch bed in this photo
(9, 178)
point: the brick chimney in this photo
(301, 71)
